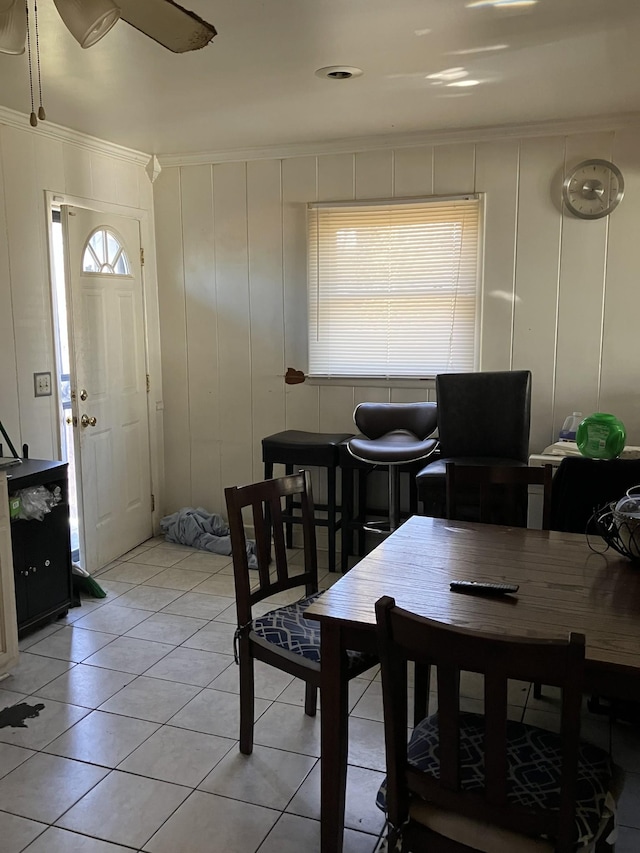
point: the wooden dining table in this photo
(564, 586)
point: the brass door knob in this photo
(86, 421)
(83, 394)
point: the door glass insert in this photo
(104, 253)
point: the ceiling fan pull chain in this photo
(33, 121)
(41, 113)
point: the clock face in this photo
(593, 189)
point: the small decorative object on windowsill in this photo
(293, 376)
(618, 524)
(601, 436)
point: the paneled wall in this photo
(30, 164)
(560, 295)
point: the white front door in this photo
(108, 382)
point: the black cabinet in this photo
(41, 549)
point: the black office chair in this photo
(495, 486)
(483, 419)
(393, 435)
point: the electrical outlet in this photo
(42, 384)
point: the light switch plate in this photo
(42, 384)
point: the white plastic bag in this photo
(37, 501)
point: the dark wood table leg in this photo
(421, 684)
(331, 516)
(334, 721)
(346, 517)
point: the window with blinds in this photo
(393, 287)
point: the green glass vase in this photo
(601, 436)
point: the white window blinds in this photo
(393, 287)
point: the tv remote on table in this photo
(483, 587)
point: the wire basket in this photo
(619, 531)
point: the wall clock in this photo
(593, 189)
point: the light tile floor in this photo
(136, 747)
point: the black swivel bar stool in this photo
(393, 435)
(299, 449)
(355, 499)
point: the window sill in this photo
(428, 382)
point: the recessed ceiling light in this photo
(339, 72)
(465, 83)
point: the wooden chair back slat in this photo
(395, 708)
(485, 478)
(404, 637)
(263, 544)
(571, 708)
(495, 737)
(279, 546)
(449, 724)
(242, 580)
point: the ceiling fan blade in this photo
(167, 23)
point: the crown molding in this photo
(13, 118)
(589, 124)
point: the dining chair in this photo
(282, 637)
(582, 487)
(483, 419)
(482, 782)
(497, 492)
(502, 494)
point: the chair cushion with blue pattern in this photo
(287, 628)
(534, 758)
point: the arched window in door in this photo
(104, 253)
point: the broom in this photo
(83, 581)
